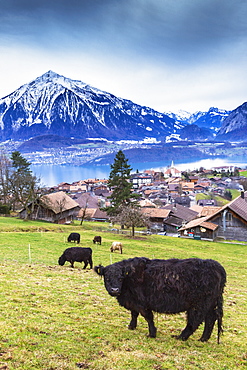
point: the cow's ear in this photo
(137, 268)
(127, 270)
(99, 270)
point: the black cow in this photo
(75, 237)
(97, 239)
(169, 286)
(77, 254)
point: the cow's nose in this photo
(114, 290)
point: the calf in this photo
(97, 239)
(169, 286)
(77, 254)
(75, 237)
(117, 246)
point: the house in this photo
(147, 203)
(193, 179)
(230, 222)
(90, 207)
(139, 179)
(157, 216)
(173, 188)
(200, 188)
(207, 202)
(204, 210)
(222, 169)
(187, 187)
(63, 186)
(178, 216)
(55, 207)
(199, 228)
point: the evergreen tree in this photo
(25, 187)
(119, 184)
(20, 163)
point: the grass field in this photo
(58, 318)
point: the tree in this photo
(5, 190)
(228, 194)
(25, 187)
(118, 182)
(131, 216)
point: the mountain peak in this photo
(53, 104)
(48, 77)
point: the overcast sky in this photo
(166, 54)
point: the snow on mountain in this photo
(234, 127)
(53, 104)
(209, 123)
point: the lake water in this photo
(52, 175)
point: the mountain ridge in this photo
(53, 104)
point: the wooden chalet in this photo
(178, 216)
(228, 222)
(199, 228)
(157, 217)
(55, 207)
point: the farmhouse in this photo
(157, 217)
(56, 207)
(178, 216)
(228, 222)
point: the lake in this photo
(52, 175)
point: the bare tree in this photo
(61, 206)
(84, 212)
(131, 216)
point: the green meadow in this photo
(57, 318)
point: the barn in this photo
(228, 222)
(55, 207)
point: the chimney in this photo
(242, 194)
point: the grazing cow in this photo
(169, 286)
(97, 239)
(77, 254)
(75, 237)
(117, 246)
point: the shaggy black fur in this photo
(97, 239)
(74, 237)
(169, 286)
(76, 254)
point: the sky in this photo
(169, 55)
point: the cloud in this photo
(161, 53)
(164, 28)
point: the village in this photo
(195, 205)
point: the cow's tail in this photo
(219, 316)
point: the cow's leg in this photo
(85, 264)
(133, 321)
(149, 317)
(194, 319)
(210, 319)
(72, 264)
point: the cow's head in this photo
(115, 274)
(61, 260)
(113, 277)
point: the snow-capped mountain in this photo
(55, 105)
(212, 119)
(234, 127)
